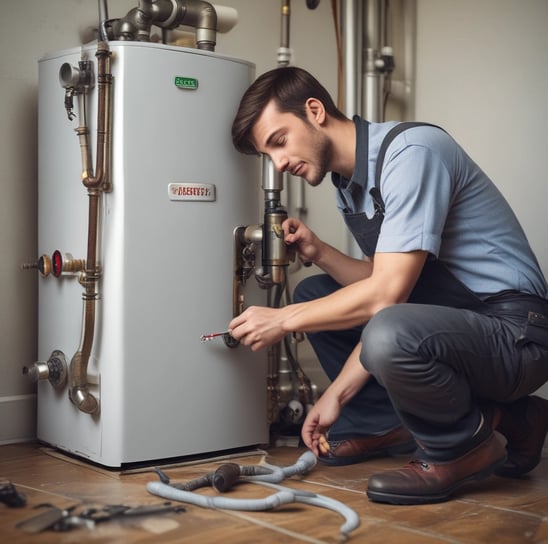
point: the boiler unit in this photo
(137, 258)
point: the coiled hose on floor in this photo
(269, 475)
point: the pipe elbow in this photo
(79, 393)
(135, 25)
(83, 399)
(206, 26)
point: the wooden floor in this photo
(496, 511)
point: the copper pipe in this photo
(104, 82)
(79, 388)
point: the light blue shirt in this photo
(438, 200)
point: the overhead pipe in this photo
(169, 14)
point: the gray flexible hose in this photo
(284, 495)
(305, 463)
(352, 520)
(253, 505)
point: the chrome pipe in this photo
(351, 32)
(373, 78)
(103, 18)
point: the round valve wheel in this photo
(44, 265)
(57, 263)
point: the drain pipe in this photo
(79, 392)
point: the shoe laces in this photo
(422, 464)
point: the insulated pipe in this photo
(79, 390)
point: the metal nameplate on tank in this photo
(192, 191)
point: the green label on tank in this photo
(186, 83)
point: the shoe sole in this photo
(442, 496)
(393, 451)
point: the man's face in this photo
(292, 144)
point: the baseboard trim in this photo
(17, 419)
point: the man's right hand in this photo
(318, 420)
(301, 241)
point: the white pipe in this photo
(227, 18)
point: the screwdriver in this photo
(212, 335)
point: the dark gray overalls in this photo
(437, 359)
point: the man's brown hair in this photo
(290, 87)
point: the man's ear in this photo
(315, 109)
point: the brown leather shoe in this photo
(524, 424)
(356, 450)
(422, 482)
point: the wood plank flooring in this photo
(495, 511)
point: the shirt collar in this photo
(358, 181)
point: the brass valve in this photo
(65, 263)
(43, 265)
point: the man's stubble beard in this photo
(322, 152)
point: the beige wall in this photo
(481, 72)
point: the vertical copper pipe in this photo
(79, 389)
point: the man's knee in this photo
(381, 343)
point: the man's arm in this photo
(327, 409)
(391, 281)
(342, 268)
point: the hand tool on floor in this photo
(57, 519)
(10, 496)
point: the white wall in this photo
(481, 72)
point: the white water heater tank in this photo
(165, 247)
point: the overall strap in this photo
(392, 133)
